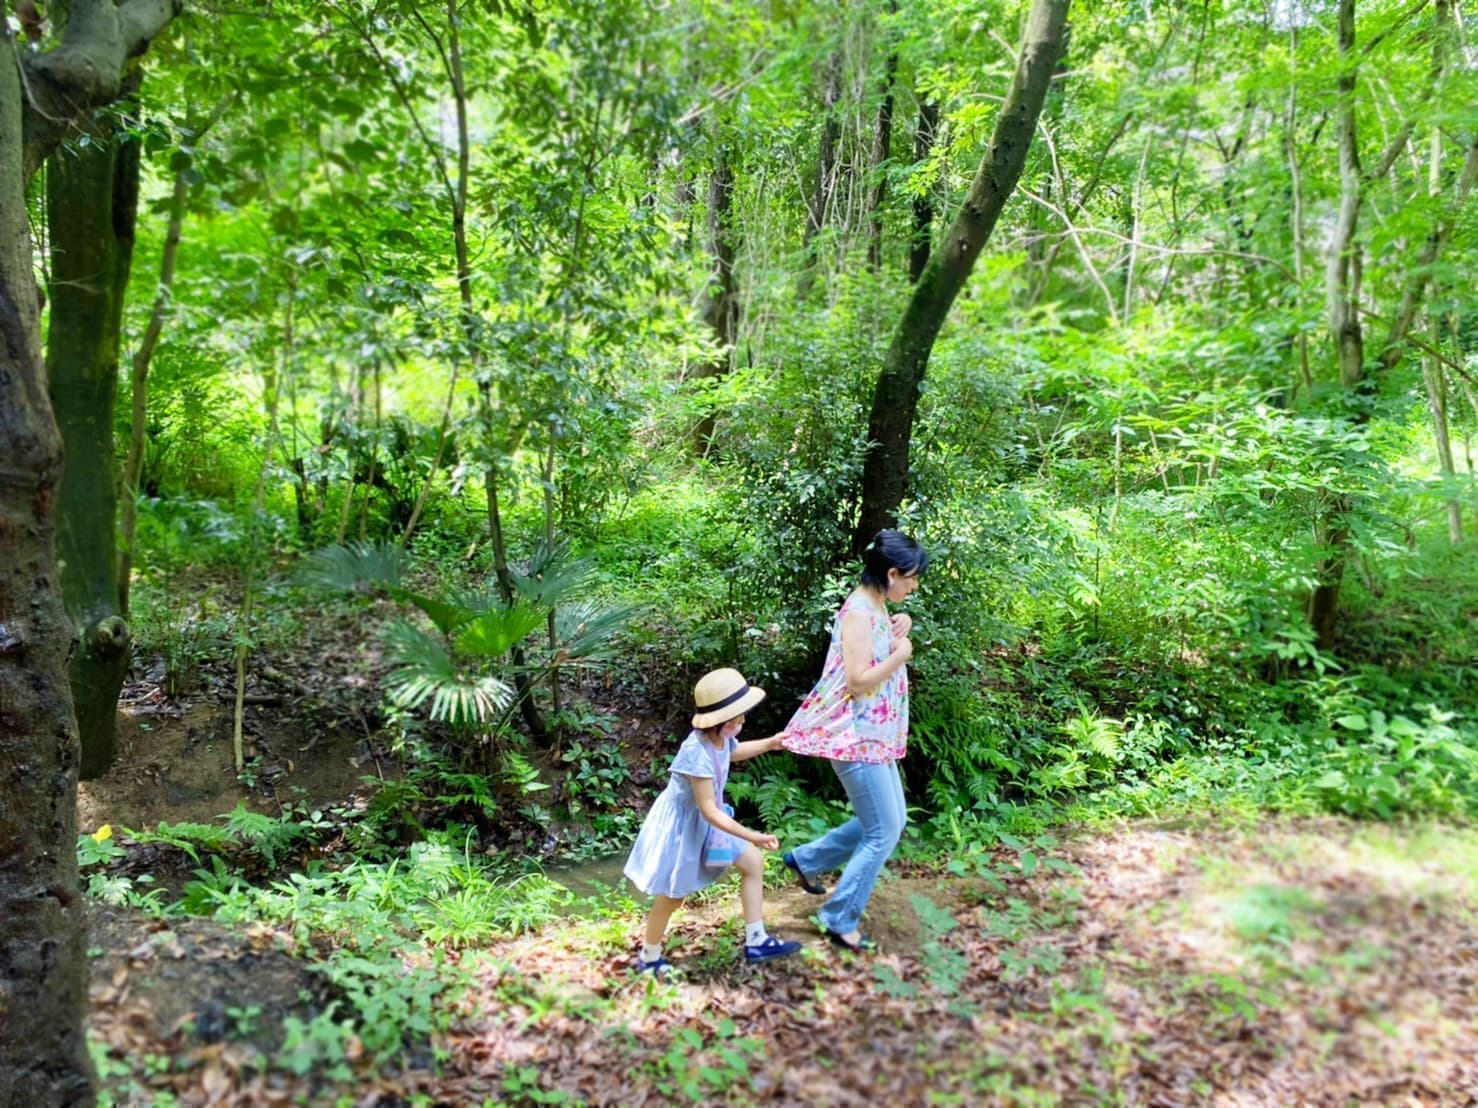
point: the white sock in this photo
(755, 933)
(650, 952)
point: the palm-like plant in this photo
(461, 672)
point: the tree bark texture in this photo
(721, 300)
(43, 971)
(1342, 284)
(881, 149)
(1342, 291)
(92, 205)
(921, 239)
(890, 426)
(824, 183)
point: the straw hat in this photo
(722, 695)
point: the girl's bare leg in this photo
(662, 909)
(751, 866)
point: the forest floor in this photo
(1223, 961)
(1285, 962)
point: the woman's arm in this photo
(708, 805)
(754, 748)
(862, 675)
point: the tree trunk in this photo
(1436, 382)
(921, 240)
(1342, 291)
(1296, 223)
(1342, 275)
(890, 427)
(92, 205)
(1419, 273)
(881, 148)
(532, 717)
(721, 300)
(824, 183)
(43, 971)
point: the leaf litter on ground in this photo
(1309, 962)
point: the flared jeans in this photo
(861, 846)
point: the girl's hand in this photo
(766, 842)
(773, 742)
(902, 624)
(903, 648)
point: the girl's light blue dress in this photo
(667, 859)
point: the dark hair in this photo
(891, 549)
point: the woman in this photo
(857, 717)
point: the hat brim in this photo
(703, 720)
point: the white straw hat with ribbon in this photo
(722, 695)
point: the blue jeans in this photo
(862, 844)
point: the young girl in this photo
(668, 860)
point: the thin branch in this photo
(1400, 22)
(1140, 244)
(1068, 224)
(404, 96)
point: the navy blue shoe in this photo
(659, 967)
(806, 883)
(770, 948)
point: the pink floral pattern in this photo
(831, 723)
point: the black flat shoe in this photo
(806, 883)
(863, 945)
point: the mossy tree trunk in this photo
(721, 299)
(890, 427)
(92, 205)
(43, 970)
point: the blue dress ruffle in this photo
(667, 859)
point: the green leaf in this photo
(1353, 723)
(493, 634)
(447, 615)
(427, 672)
(353, 566)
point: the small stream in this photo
(595, 877)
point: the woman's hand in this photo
(903, 648)
(902, 624)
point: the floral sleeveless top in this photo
(831, 723)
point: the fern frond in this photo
(1095, 734)
(350, 567)
(552, 575)
(589, 630)
(493, 634)
(426, 671)
(447, 614)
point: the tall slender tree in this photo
(896, 397)
(721, 298)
